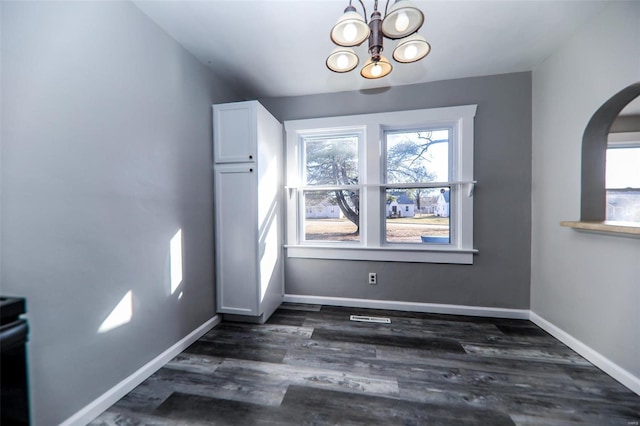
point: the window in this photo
(330, 169)
(623, 177)
(391, 186)
(417, 157)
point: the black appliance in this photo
(14, 393)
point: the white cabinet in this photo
(248, 167)
(235, 193)
(234, 132)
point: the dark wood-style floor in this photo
(311, 365)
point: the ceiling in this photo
(273, 48)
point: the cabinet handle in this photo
(251, 170)
(251, 157)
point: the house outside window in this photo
(384, 173)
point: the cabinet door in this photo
(234, 132)
(236, 239)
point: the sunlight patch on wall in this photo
(269, 258)
(120, 315)
(175, 259)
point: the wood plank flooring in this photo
(310, 365)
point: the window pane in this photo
(332, 215)
(623, 184)
(417, 156)
(623, 205)
(623, 168)
(331, 160)
(418, 215)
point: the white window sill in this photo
(384, 254)
(622, 229)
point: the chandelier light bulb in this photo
(411, 49)
(402, 22)
(410, 52)
(351, 29)
(350, 32)
(342, 61)
(376, 70)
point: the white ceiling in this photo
(275, 48)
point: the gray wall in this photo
(586, 284)
(500, 274)
(106, 153)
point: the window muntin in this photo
(373, 185)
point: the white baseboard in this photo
(591, 355)
(432, 308)
(110, 397)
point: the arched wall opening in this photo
(594, 151)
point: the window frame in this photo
(372, 185)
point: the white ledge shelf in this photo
(383, 185)
(357, 187)
(607, 226)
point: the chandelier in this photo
(401, 22)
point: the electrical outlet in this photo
(373, 278)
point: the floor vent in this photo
(363, 318)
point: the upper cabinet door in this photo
(234, 132)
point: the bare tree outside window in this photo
(333, 161)
(410, 160)
(411, 157)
